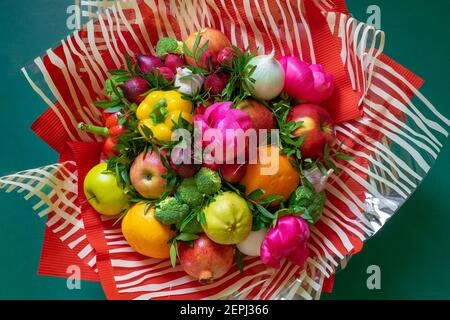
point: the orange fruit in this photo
(272, 173)
(145, 234)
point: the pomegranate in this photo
(206, 260)
(216, 42)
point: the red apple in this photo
(233, 173)
(261, 116)
(318, 127)
(146, 175)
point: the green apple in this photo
(103, 192)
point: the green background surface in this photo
(413, 249)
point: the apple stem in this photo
(102, 131)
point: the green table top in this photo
(412, 251)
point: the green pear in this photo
(228, 219)
(103, 192)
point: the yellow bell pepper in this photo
(160, 110)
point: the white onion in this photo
(268, 75)
(251, 246)
(189, 85)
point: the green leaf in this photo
(147, 132)
(173, 254)
(129, 63)
(187, 51)
(118, 93)
(122, 120)
(326, 151)
(196, 42)
(112, 82)
(125, 177)
(331, 165)
(148, 205)
(201, 218)
(258, 224)
(307, 216)
(187, 237)
(255, 195)
(344, 156)
(104, 104)
(271, 199)
(250, 205)
(114, 109)
(122, 214)
(118, 72)
(321, 168)
(239, 260)
(265, 212)
(199, 53)
(186, 220)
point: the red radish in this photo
(225, 55)
(206, 260)
(147, 63)
(215, 83)
(167, 73)
(134, 88)
(184, 170)
(211, 165)
(233, 173)
(173, 62)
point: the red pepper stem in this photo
(102, 131)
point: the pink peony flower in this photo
(306, 82)
(221, 118)
(287, 240)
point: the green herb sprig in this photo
(241, 82)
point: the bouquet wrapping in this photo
(393, 140)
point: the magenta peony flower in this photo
(306, 82)
(221, 118)
(287, 240)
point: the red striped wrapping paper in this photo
(394, 142)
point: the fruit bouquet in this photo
(239, 150)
